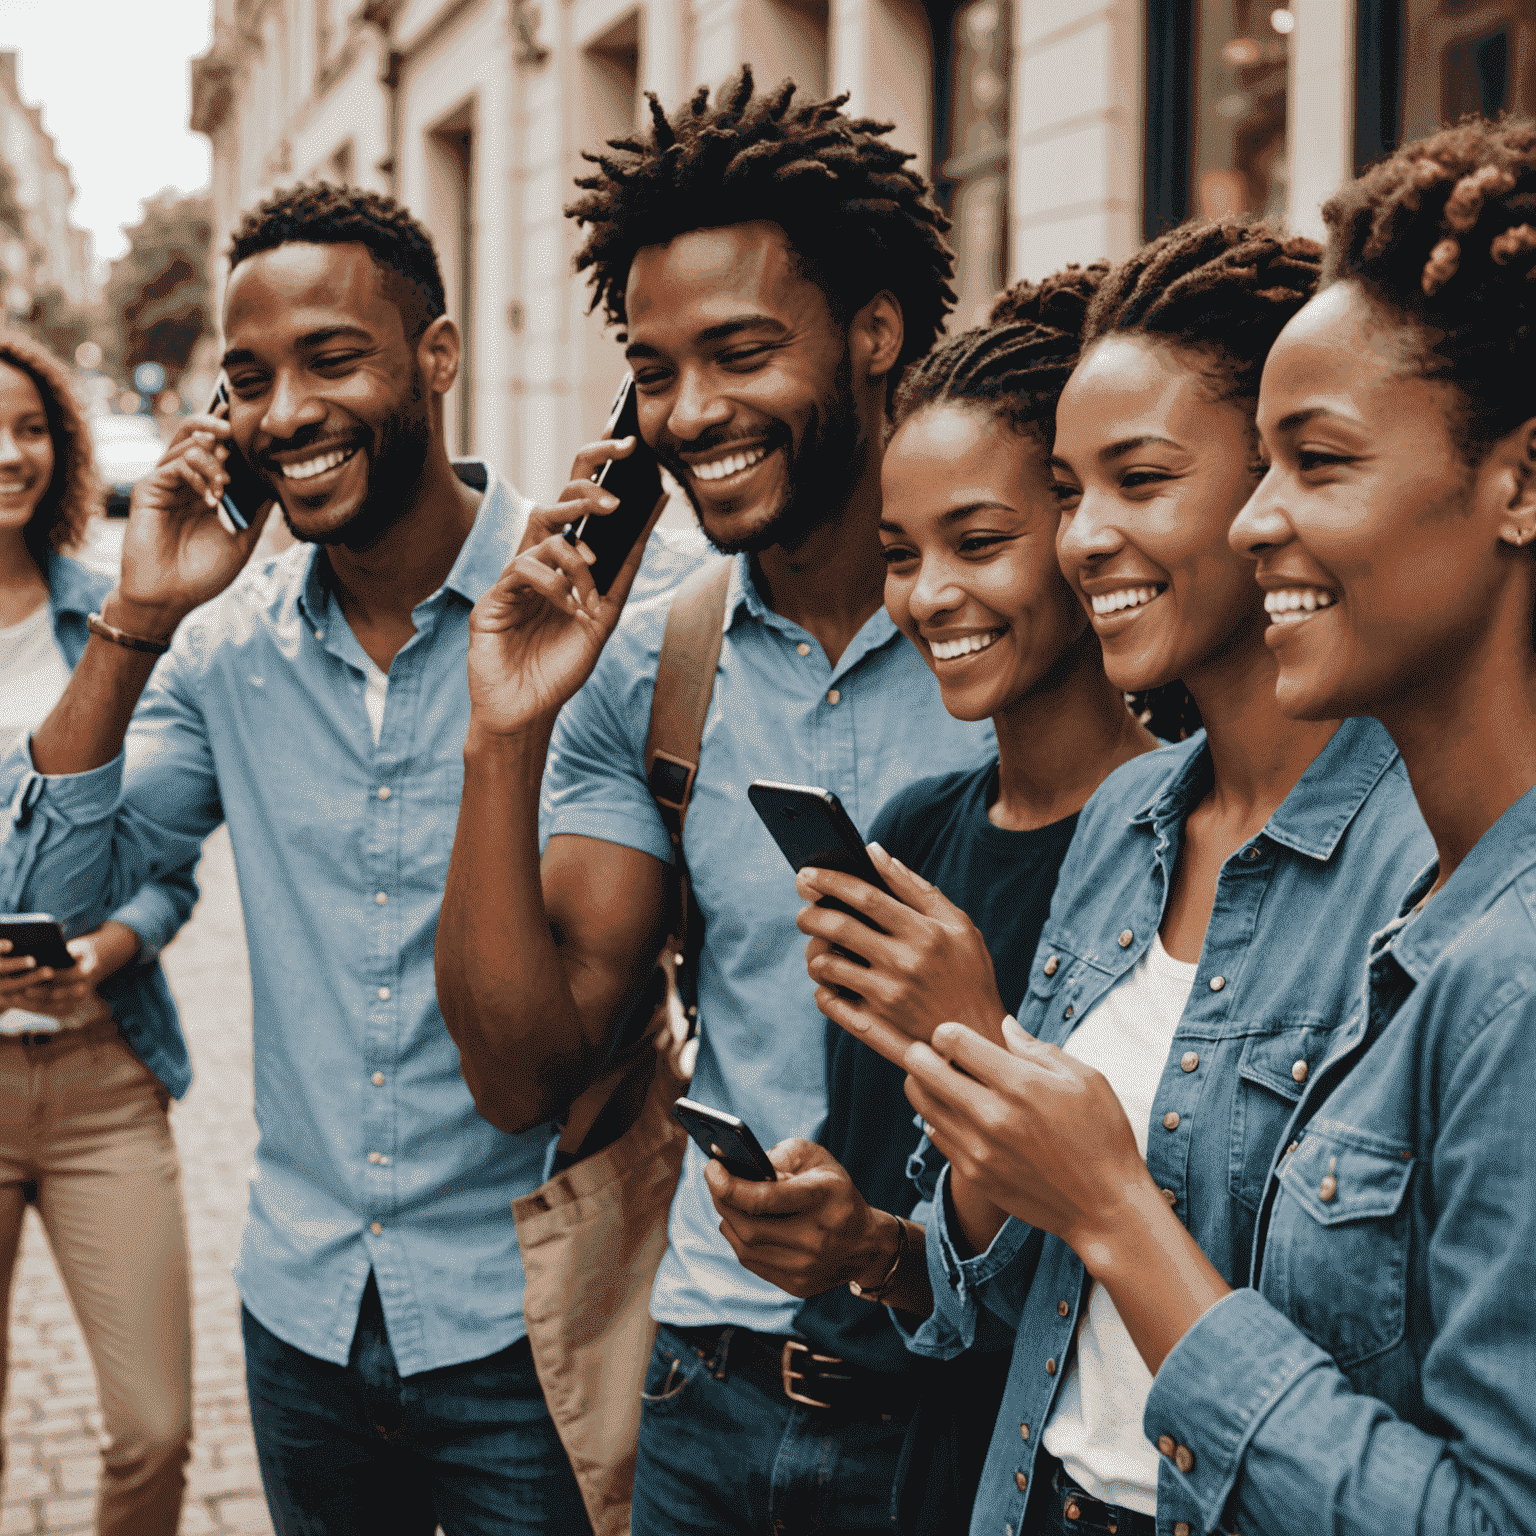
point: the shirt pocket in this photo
(1336, 1256)
(1272, 1071)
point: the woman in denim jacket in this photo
(90, 1057)
(1179, 958)
(1378, 1374)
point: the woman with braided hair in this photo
(1178, 999)
(968, 531)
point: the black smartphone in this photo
(814, 831)
(636, 481)
(38, 935)
(247, 493)
(724, 1136)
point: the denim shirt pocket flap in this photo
(1336, 1178)
(1283, 1061)
(1061, 986)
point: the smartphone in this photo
(247, 493)
(36, 934)
(814, 831)
(636, 481)
(724, 1136)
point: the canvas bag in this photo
(593, 1236)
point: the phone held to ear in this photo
(39, 935)
(635, 480)
(723, 1136)
(246, 493)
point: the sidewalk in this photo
(51, 1423)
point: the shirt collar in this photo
(1312, 818)
(71, 587)
(1502, 855)
(742, 596)
(492, 542)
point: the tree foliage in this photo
(157, 295)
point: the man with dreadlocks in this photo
(775, 267)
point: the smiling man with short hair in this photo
(317, 706)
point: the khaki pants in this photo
(83, 1119)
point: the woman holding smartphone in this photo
(1204, 939)
(1378, 1374)
(91, 1056)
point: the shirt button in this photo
(376, 1227)
(1292, 1148)
(1021, 1480)
(1052, 965)
(1181, 1528)
(319, 634)
(1170, 1197)
(1189, 1060)
(383, 1159)
(1184, 1460)
(1165, 1445)
(373, 1157)
(1071, 1510)
(381, 898)
(1171, 1120)
(1217, 983)
(384, 791)
(1050, 1367)
(1299, 1071)
(833, 696)
(377, 1079)
(1125, 938)
(1250, 854)
(1328, 1188)
(1062, 1309)
(1024, 1431)
(803, 648)
(1067, 1012)
(383, 994)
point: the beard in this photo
(397, 455)
(819, 475)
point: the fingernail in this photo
(586, 554)
(211, 499)
(609, 500)
(594, 603)
(927, 1130)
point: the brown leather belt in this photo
(801, 1372)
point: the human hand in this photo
(536, 634)
(808, 1231)
(1031, 1129)
(581, 496)
(176, 553)
(929, 965)
(65, 994)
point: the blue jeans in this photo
(354, 1450)
(735, 1455)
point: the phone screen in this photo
(39, 935)
(635, 480)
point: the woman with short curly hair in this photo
(89, 1056)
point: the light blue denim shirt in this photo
(864, 729)
(1382, 1376)
(140, 999)
(372, 1155)
(1278, 975)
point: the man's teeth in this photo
(1127, 597)
(1293, 604)
(948, 650)
(731, 464)
(312, 467)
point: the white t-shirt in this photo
(33, 676)
(1095, 1427)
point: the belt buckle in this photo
(789, 1374)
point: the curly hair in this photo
(1442, 235)
(857, 220)
(323, 214)
(1223, 289)
(74, 493)
(1015, 366)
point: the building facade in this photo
(50, 252)
(1055, 130)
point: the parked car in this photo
(127, 448)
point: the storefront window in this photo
(972, 67)
(1241, 59)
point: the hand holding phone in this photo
(39, 935)
(723, 1136)
(634, 479)
(246, 493)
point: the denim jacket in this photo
(1294, 911)
(1382, 1375)
(139, 997)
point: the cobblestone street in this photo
(51, 1456)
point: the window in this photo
(972, 62)
(1216, 110)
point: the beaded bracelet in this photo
(876, 1293)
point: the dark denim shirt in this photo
(139, 997)
(1279, 972)
(1382, 1376)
